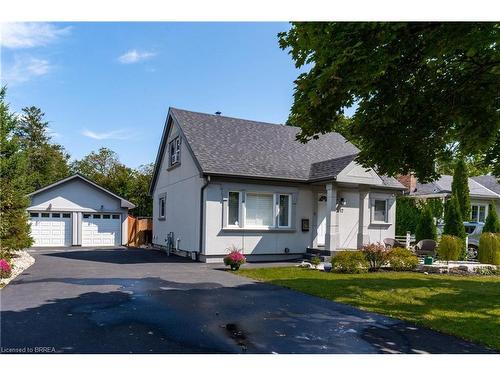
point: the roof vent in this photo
(218, 113)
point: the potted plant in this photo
(234, 259)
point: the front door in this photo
(321, 220)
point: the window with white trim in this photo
(174, 151)
(233, 218)
(379, 211)
(284, 210)
(478, 212)
(259, 210)
(161, 207)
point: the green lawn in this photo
(465, 306)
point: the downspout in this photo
(207, 181)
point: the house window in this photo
(259, 210)
(380, 211)
(106, 216)
(174, 148)
(284, 210)
(478, 212)
(161, 208)
(234, 209)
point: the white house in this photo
(77, 212)
(221, 182)
(483, 191)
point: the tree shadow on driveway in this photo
(153, 315)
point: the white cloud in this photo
(25, 68)
(114, 134)
(30, 34)
(133, 56)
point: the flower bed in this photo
(19, 261)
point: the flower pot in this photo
(235, 267)
(327, 267)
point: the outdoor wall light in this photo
(342, 202)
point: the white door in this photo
(101, 230)
(321, 220)
(51, 229)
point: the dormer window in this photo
(174, 149)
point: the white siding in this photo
(182, 186)
(256, 242)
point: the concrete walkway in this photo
(141, 301)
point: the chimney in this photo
(409, 181)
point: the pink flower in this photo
(234, 259)
(4, 266)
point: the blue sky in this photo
(110, 84)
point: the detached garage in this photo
(77, 212)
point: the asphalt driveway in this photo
(141, 301)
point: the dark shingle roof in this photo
(490, 182)
(235, 147)
(225, 145)
(443, 186)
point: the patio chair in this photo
(425, 248)
(391, 243)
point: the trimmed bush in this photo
(401, 259)
(350, 262)
(5, 269)
(407, 213)
(453, 222)
(489, 248)
(449, 248)
(426, 229)
(492, 224)
(376, 255)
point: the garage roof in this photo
(124, 203)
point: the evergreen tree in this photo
(407, 214)
(460, 188)
(14, 226)
(453, 222)
(47, 162)
(492, 223)
(426, 229)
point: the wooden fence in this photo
(140, 230)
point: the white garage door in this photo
(101, 230)
(51, 229)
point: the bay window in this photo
(259, 210)
(234, 209)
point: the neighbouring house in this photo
(221, 182)
(483, 191)
(77, 212)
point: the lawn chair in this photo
(425, 247)
(391, 243)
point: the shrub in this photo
(489, 248)
(376, 255)
(315, 261)
(460, 188)
(5, 254)
(492, 223)
(426, 229)
(234, 259)
(350, 262)
(5, 269)
(401, 259)
(407, 213)
(453, 223)
(449, 248)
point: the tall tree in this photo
(427, 87)
(14, 227)
(47, 162)
(453, 221)
(460, 188)
(104, 168)
(492, 223)
(426, 229)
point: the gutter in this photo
(202, 190)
